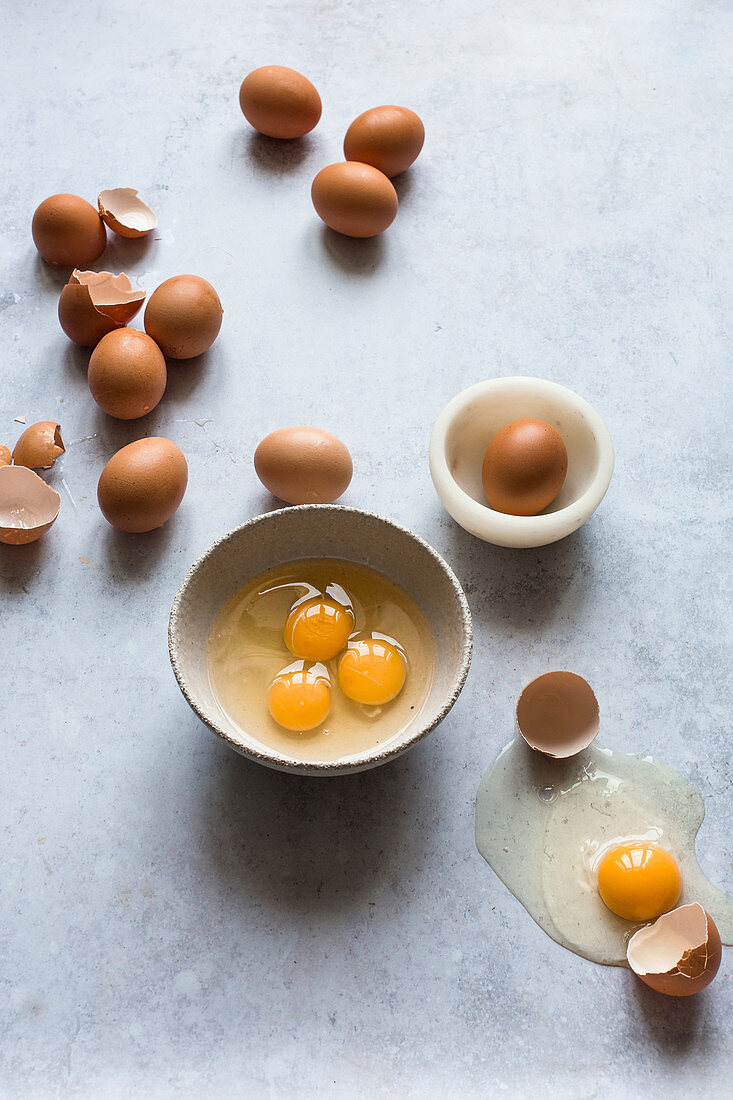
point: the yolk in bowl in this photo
(318, 628)
(372, 670)
(299, 698)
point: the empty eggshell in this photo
(303, 465)
(125, 213)
(68, 231)
(143, 484)
(557, 714)
(354, 199)
(524, 467)
(39, 445)
(94, 303)
(679, 954)
(28, 506)
(279, 102)
(389, 138)
(183, 316)
(127, 374)
(5, 456)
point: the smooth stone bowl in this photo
(320, 531)
(470, 421)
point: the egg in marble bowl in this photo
(320, 639)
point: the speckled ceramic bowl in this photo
(320, 531)
(467, 425)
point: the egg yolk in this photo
(372, 671)
(300, 697)
(639, 881)
(317, 629)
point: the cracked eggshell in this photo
(125, 213)
(679, 954)
(68, 231)
(28, 506)
(39, 445)
(94, 303)
(303, 465)
(389, 138)
(557, 714)
(143, 484)
(354, 199)
(5, 456)
(183, 316)
(279, 102)
(127, 374)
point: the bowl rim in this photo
(294, 764)
(550, 526)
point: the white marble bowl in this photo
(319, 531)
(467, 425)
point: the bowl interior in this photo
(320, 531)
(475, 425)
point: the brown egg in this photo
(127, 374)
(183, 316)
(39, 445)
(142, 485)
(354, 199)
(28, 506)
(679, 954)
(68, 231)
(303, 465)
(389, 138)
(5, 456)
(524, 467)
(94, 303)
(279, 102)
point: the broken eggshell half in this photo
(557, 714)
(679, 954)
(28, 506)
(94, 303)
(39, 445)
(125, 213)
(5, 456)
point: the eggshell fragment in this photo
(389, 138)
(39, 445)
(303, 465)
(679, 954)
(28, 506)
(279, 102)
(127, 374)
(94, 303)
(5, 456)
(143, 484)
(557, 714)
(524, 467)
(354, 199)
(125, 213)
(183, 316)
(68, 231)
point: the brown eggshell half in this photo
(68, 231)
(39, 445)
(303, 465)
(279, 102)
(28, 506)
(354, 199)
(143, 484)
(389, 138)
(557, 714)
(94, 303)
(679, 954)
(125, 213)
(127, 374)
(5, 456)
(183, 316)
(524, 467)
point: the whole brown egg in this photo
(524, 467)
(354, 199)
(68, 231)
(279, 102)
(143, 484)
(127, 374)
(183, 316)
(303, 465)
(389, 138)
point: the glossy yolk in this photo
(372, 671)
(639, 881)
(299, 698)
(317, 629)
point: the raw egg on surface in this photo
(303, 465)
(143, 484)
(39, 446)
(94, 303)
(318, 628)
(28, 506)
(125, 212)
(524, 467)
(183, 316)
(373, 670)
(389, 138)
(279, 102)
(354, 199)
(679, 954)
(300, 696)
(639, 880)
(127, 374)
(68, 231)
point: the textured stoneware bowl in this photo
(320, 531)
(467, 425)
